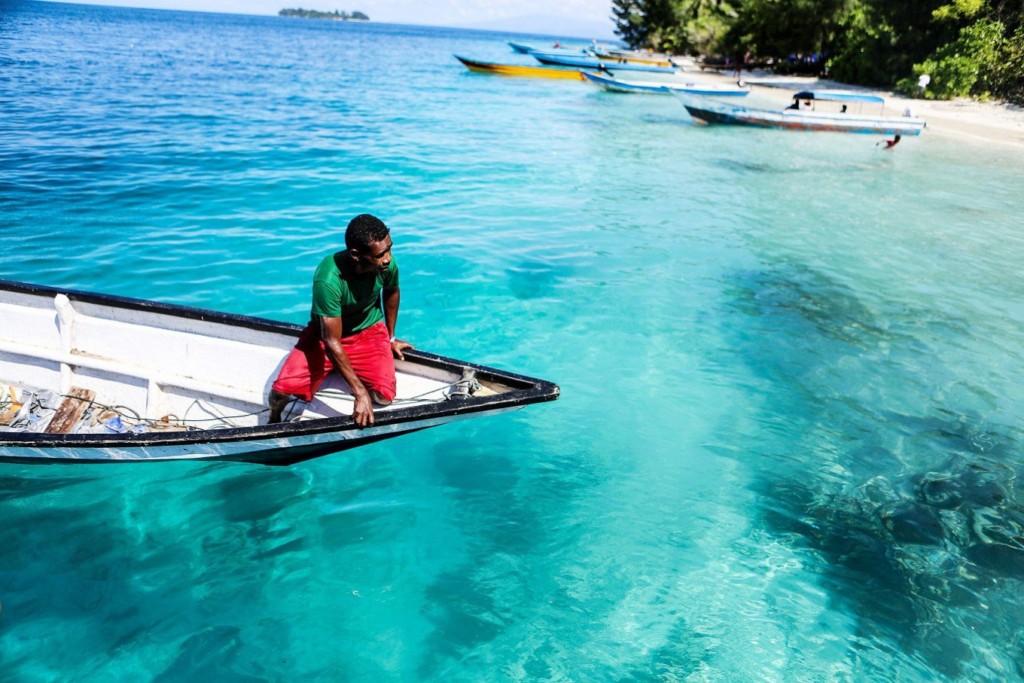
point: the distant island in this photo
(315, 14)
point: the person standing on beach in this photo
(348, 329)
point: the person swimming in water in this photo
(889, 144)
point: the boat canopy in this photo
(837, 96)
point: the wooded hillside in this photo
(966, 47)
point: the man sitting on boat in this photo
(347, 328)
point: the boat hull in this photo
(520, 70)
(617, 85)
(163, 359)
(628, 58)
(708, 113)
(283, 449)
(589, 62)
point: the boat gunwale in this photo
(525, 390)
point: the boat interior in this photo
(76, 366)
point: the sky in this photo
(578, 14)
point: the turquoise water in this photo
(789, 442)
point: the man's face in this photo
(375, 258)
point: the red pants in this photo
(368, 351)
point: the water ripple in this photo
(788, 446)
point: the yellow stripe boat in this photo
(520, 70)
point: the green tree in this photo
(629, 22)
(866, 49)
(978, 49)
(966, 47)
(1010, 71)
(969, 64)
(779, 28)
(706, 25)
(649, 24)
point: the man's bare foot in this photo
(277, 402)
(378, 398)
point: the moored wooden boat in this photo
(143, 381)
(612, 56)
(619, 85)
(793, 118)
(524, 48)
(592, 62)
(524, 70)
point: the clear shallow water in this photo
(789, 439)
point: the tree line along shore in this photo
(964, 47)
(315, 14)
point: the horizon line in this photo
(93, 3)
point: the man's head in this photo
(369, 243)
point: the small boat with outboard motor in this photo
(95, 378)
(803, 114)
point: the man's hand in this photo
(362, 413)
(397, 346)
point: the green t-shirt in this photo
(338, 290)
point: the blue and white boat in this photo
(618, 85)
(524, 48)
(591, 62)
(803, 114)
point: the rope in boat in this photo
(462, 387)
(133, 415)
(467, 385)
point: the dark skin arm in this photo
(392, 297)
(330, 332)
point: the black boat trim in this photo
(279, 456)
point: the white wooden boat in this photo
(620, 85)
(145, 381)
(616, 55)
(591, 62)
(803, 115)
(524, 48)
